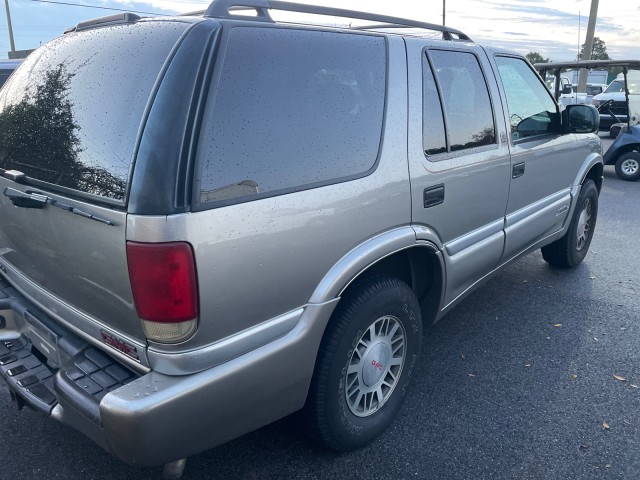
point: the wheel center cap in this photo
(582, 222)
(375, 364)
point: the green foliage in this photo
(598, 52)
(39, 137)
(535, 57)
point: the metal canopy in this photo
(556, 68)
(590, 64)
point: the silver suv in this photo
(210, 222)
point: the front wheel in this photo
(366, 360)
(628, 166)
(569, 250)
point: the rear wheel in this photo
(628, 166)
(569, 250)
(366, 361)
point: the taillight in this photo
(165, 289)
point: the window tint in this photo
(532, 111)
(433, 135)
(291, 109)
(469, 116)
(71, 113)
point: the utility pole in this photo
(588, 45)
(444, 11)
(13, 45)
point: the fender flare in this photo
(366, 254)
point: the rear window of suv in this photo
(71, 113)
(291, 109)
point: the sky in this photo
(555, 29)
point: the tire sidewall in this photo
(588, 191)
(626, 156)
(349, 430)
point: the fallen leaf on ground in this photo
(619, 378)
(558, 325)
(605, 425)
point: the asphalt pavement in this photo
(536, 375)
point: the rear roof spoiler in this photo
(117, 19)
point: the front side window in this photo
(467, 105)
(532, 111)
(292, 109)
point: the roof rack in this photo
(223, 9)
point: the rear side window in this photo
(71, 113)
(291, 109)
(467, 105)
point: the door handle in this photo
(518, 170)
(26, 200)
(433, 195)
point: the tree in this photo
(535, 57)
(39, 136)
(598, 52)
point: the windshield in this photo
(615, 86)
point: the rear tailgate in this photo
(73, 266)
(69, 119)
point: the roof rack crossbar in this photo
(223, 9)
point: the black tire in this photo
(628, 166)
(369, 302)
(569, 250)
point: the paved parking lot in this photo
(519, 381)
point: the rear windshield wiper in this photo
(38, 200)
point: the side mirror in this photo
(580, 119)
(567, 90)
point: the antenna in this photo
(579, 25)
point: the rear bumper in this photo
(152, 419)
